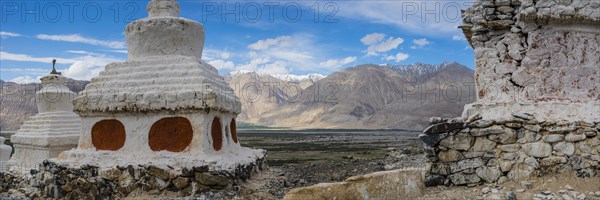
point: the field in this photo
(318, 146)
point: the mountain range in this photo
(361, 97)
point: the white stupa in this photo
(164, 105)
(53, 130)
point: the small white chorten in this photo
(164, 105)
(53, 130)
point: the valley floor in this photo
(304, 159)
(298, 159)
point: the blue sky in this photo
(274, 37)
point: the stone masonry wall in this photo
(477, 151)
(57, 181)
(537, 77)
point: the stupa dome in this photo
(163, 32)
(54, 129)
(164, 104)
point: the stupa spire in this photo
(54, 68)
(163, 8)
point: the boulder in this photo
(509, 147)
(534, 127)
(553, 138)
(466, 164)
(396, 184)
(572, 137)
(488, 174)
(458, 142)
(538, 150)
(462, 178)
(492, 130)
(520, 171)
(432, 139)
(508, 137)
(434, 180)
(564, 148)
(482, 144)
(532, 162)
(440, 168)
(211, 180)
(481, 123)
(444, 127)
(527, 136)
(449, 155)
(181, 182)
(560, 129)
(159, 172)
(552, 160)
(111, 174)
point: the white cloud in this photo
(213, 54)
(291, 56)
(277, 67)
(398, 57)
(28, 58)
(420, 43)
(225, 55)
(83, 52)
(335, 63)
(254, 64)
(429, 18)
(378, 44)
(222, 64)
(459, 37)
(283, 54)
(281, 41)
(24, 80)
(87, 67)
(119, 51)
(5, 35)
(372, 38)
(81, 68)
(81, 39)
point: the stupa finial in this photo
(163, 8)
(53, 67)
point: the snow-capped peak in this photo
(285, 77)
(421, 68)
(292, 77)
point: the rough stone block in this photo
(482, 144)
(538, 150)
(458, 142)
(397, 184)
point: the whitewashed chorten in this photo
(164, 105)
(53, 130)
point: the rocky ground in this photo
(278, 180)
(564, 186)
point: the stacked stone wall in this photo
(483, 151)
(537, 73)
(58, 181)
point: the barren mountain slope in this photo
(374, 97)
